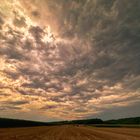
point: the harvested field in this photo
(69, 133)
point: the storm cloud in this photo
(74, 58)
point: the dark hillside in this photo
(5, 122)
(135, 120)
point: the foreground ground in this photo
(69, 133)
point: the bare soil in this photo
(69, 132)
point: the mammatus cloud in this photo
(76, 59)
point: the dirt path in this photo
(69, 133)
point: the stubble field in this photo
(69, 132)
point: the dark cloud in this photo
(1, 21)
(35, 13)
(12, 53)
(12, 75)
(37, 33)
(48, 107)
(93, 61)
(115, 47)
(19, 102)
(19, 21)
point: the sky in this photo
(69, 59)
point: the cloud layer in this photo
(69, 59)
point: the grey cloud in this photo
(48, 107)
(11, 49)
(80, 110)
(3, 108)
(28, 45)
(37, 33)
(4, 94)
(12, 75)
(111, 31)
(132, 83)
(118, 42)
(19, 21)
(120, 112)
(1, 21)
(35, 13)
(12, 54)
(19, 102)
